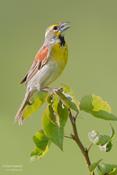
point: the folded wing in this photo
(40, 60)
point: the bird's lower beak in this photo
(64, 26)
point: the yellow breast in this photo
(60, 54)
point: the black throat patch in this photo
(62, 40)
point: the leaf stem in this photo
(90, 146)
(75, 137)
(68, 137)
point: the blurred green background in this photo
(92, 68)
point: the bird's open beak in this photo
(64, 26)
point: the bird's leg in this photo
(57, 89)
(51, 90)
(30, 93)
(29, 102)
(46, 89)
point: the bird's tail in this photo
(19, 115)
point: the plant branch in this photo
(90, 146)
(76, 138)
(68, 137)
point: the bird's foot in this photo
(51, 90)
(29, 102)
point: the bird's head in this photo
(56, 30)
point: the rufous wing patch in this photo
(40, 59)
(42, 54)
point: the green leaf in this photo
(54, 132)
(67, 89)
(106, 144)
(106, 147)
(68, 100)
(108, 169)
(96, 106)
(94, 165)
(36, 101)
(63, 113)
(103, 141)
(58, 111)
(112, 131)
(99, 104)
(40, 139)
(52, 116)
(42, 143)
(37, 153)
(104, 115)
(86, 103)
(113, 172)
(97, 138)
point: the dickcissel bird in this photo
(48, 64)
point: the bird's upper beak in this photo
(64, 26)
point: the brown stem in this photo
(90, 146)
(68, 137)
(76, 138)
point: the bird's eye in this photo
(55, 27)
